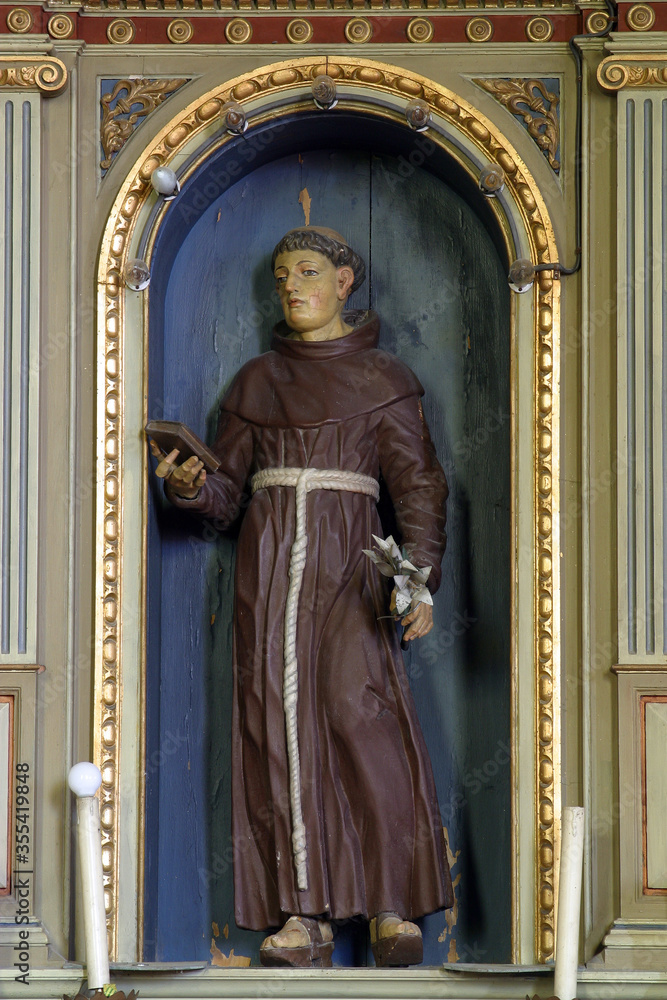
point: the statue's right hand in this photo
(184, 480)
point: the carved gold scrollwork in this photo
(617, 72)
(536, 106)
(143, 96)
(277, 81)
(39, 73)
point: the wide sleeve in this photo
(416, 483)
(225, 493)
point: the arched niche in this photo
(282, 122)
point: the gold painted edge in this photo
(122, 219)
(639, 668)
(22, 668)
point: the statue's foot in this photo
(395, 941)
(303, 943)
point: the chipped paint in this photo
(304, 199)
(216, 931)
(219, 959)
(451, 915)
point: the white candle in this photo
(569, 903)
(84, 780)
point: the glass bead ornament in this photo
(137, 274)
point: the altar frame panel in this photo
(119, 692)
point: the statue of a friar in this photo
(334, 808)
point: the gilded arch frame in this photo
(279, 88)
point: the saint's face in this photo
(312, 291)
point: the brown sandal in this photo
(315, 955)
(401, 948)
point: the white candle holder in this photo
(84, 779)
(569, 903)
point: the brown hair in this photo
(326, 242)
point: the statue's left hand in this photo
(420, 622)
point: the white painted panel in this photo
(656, 794)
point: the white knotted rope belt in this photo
(303, 480)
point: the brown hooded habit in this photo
(373, 832)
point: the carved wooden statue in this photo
(334, 805)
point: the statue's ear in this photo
(345, 281)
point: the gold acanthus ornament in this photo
(537, 107)
(148, 94)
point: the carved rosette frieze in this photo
(278, 80)
(43, 73)
(126, 106)
(645, 70)
(535, 106)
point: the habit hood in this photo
(307, 384)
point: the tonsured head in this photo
(315, 272)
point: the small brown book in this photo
(170, 434)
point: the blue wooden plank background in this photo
(438, 283)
